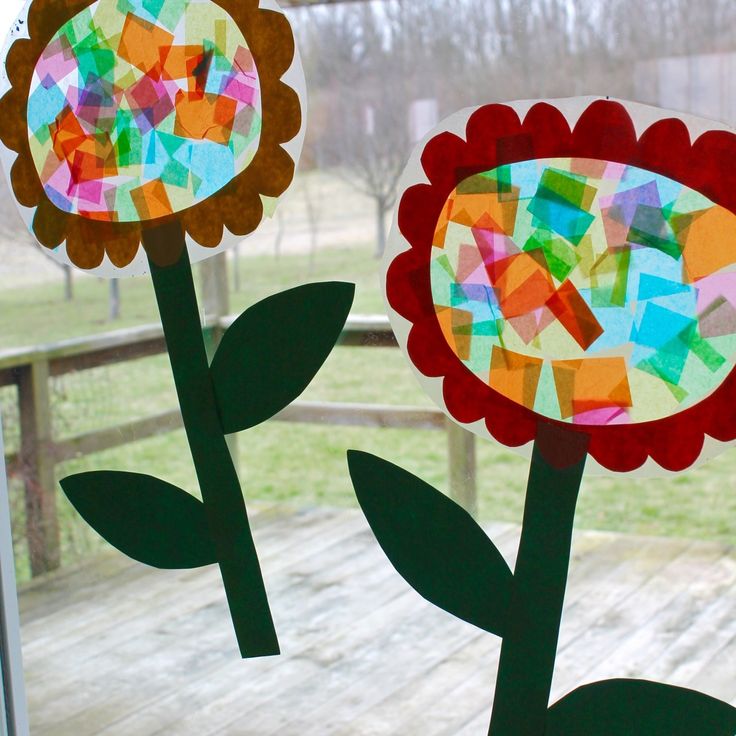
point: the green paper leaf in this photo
(146, 518)
(273, 350)
(639, 708)
(433, 543)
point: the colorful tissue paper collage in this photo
(585, 290)
(139, 114)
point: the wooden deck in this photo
(118, 648)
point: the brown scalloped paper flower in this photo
(125, 118)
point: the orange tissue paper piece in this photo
(587, 384)
(143, 44)
(706, 243)
(205, 116)
(514, 375)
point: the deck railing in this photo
(30, 370)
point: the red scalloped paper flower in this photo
(575, 268)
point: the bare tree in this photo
(371, 145)
(365, 138)
(313, 204)
(366, 62)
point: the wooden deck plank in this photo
(129, 612)
(612, 612)
(188, 632)
(48, 594)
(444, 701)
(410, 644)
(706, 651)
(302, 622)
(372, 600)
(622, 639)
(596, 561)
(125, 650)
(463, 679)
(696, 598)
(90, 610)
(717, 674)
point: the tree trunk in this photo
(312, 250)
(114, 301)
(380, 228)
(236, 268)
(68, 283)
(313, 215)
(279, 234)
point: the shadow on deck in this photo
(115, 647)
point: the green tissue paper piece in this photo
(639, 708)
(273, 350)
(433, 543)
(146, 518)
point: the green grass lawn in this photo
(305, 464)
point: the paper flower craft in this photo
(564, 274)
(124, 114)
(141, 122)
(586, 276)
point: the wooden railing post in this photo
(37, 462)
(461, 457)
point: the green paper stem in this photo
(530, 640)
(221, 492)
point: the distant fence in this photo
(30, 370)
